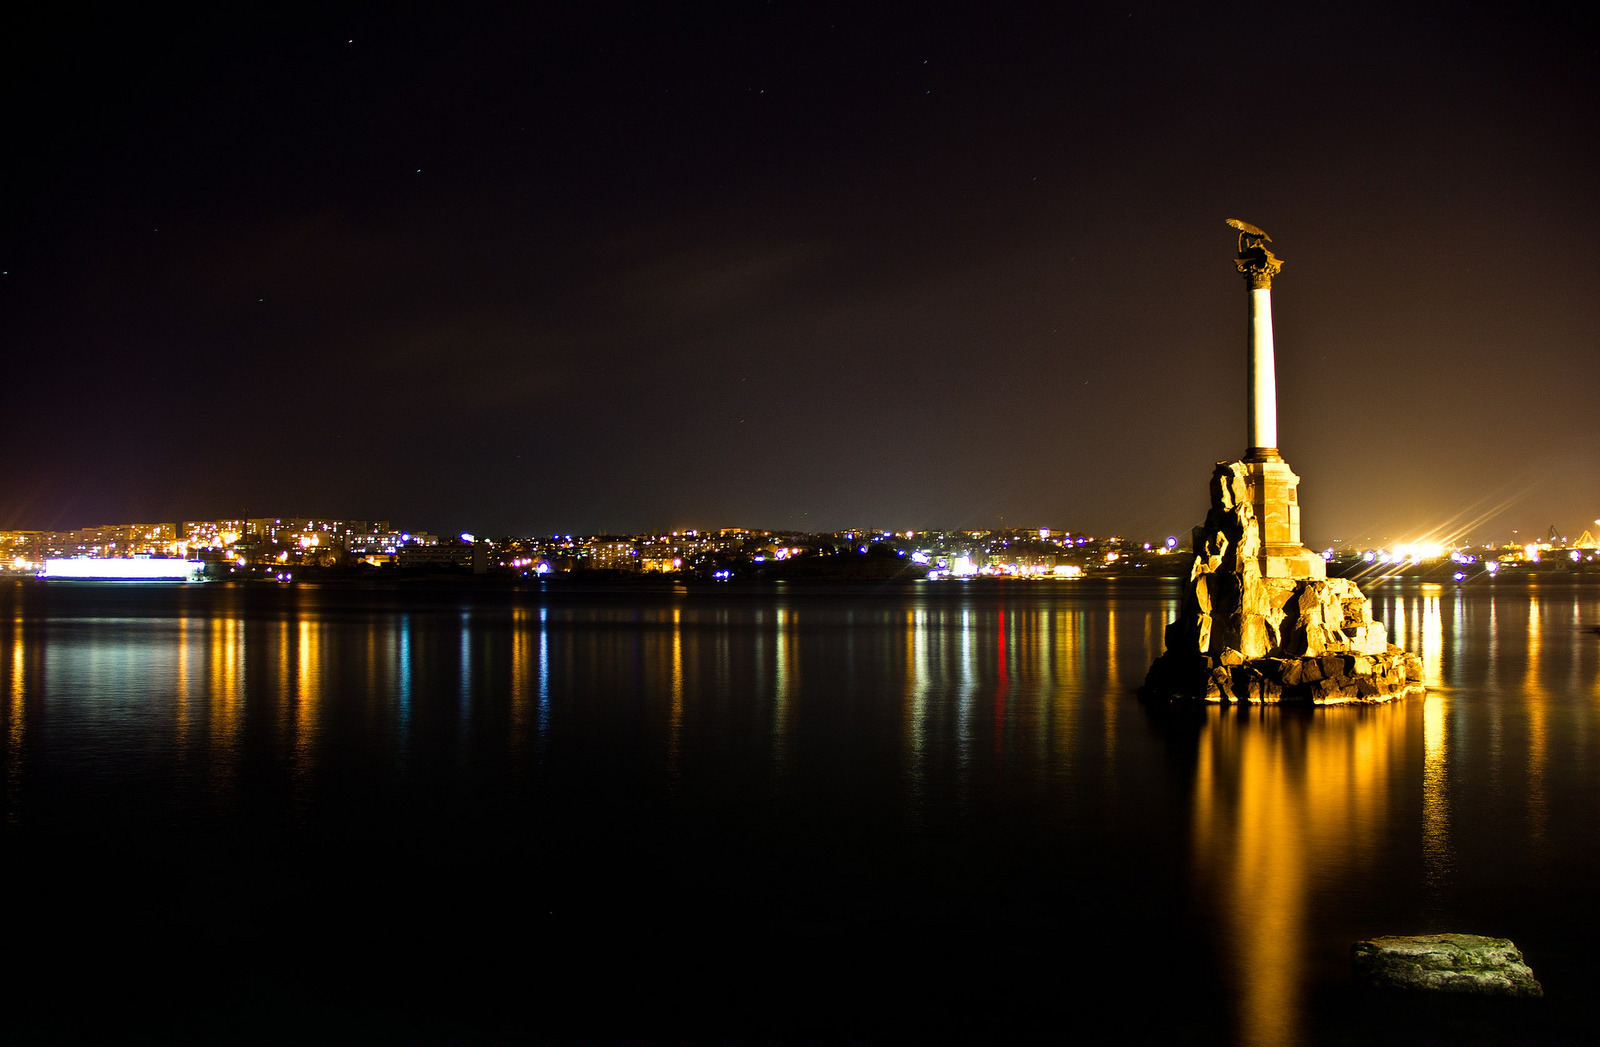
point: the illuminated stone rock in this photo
(1243, 636)
(1467, 963)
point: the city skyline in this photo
(176, 538)
(621, 270)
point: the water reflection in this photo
(914, 708)
(1287, 804)
(225, 677)
(544, 676)
(785, 686)
(1436, 854)
(1536, 709)
(304, 706)
(953, 724)
(399, 640)
(675, 717)
(522, 644)
(182, 700)
(16, 714)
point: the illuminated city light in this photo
(268, 546)
(136, 570)
(1415, 552)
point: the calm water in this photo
(333, 814)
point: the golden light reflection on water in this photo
(16, 716)
(306, 702)
(1287, 804)
(1436, 854)
(675, 716)
(284, 682)
(786, 683)
(1064, 716)
(1431, 646)
(522, 645)
(1536, 706)
(225, 680)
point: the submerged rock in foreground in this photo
(1445, 963)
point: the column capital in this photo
(1258, 266)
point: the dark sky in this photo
(596, 266)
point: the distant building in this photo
(612, 555)
(22, 550)
(116, 540)
(454, 553)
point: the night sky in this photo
(621, 267)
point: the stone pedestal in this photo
(1277, 510)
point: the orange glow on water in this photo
(16, 719)
(675, 722)
(1286, 805)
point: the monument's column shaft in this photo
(1258, 266)
(1263, 435)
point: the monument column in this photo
(1272, 483)
(1259, 265)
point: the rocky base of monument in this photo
(1242, 637)
(1328, 679)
